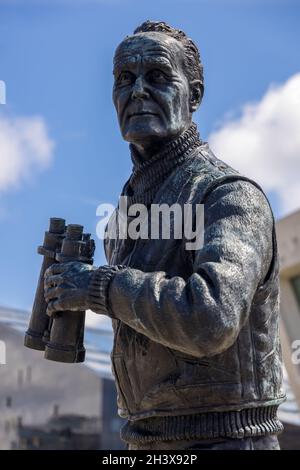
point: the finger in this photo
(64, 302)
(53, 307)
(53, 293)
(54, 269)
(53, 280)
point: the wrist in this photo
(98, 289)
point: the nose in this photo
(139, 91)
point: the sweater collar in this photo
(147, 176)
(169, 152)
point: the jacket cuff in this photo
(99, 286)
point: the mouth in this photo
(142, 113)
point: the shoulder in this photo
(240, 203)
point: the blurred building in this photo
(288, 235)
(66, 432)
(51, 405)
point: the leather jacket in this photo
(196, 331)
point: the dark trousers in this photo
(248, 443)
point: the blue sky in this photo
(56, 61)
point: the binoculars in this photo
(61, 337)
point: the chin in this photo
(144, 132)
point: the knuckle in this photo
(47, 273)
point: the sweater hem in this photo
(248, 422)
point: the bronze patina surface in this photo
(196, 355)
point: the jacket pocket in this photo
(195, 371)
(269, 374)
(123, 384)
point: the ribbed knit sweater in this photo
(231, 424)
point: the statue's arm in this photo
(203, 315)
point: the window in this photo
(8, 402)
(36, 441)
(296, 288)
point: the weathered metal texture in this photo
(36, 335)
(66, 342)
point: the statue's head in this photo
(158, 83)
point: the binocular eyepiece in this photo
(61, 337)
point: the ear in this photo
(196, 93)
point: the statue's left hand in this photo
(66, 286)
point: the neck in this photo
(148, 175)
(146, 150)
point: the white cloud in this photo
(25, 148)
(264, 142)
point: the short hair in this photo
(192, 62)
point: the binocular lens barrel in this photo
(36, 334)
(67, 330)
(66, 338)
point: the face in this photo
(151, 91)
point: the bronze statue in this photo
(196, 355)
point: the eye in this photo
(125, 78)
(157, 76)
